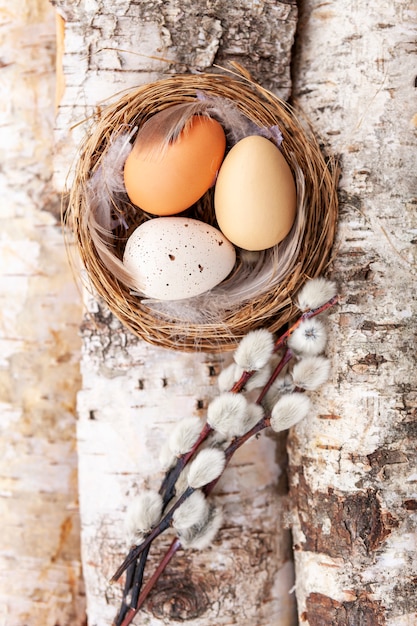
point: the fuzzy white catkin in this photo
(143, 513)
(309, 338)
(311, 372)
(206, 467)
(259, 378)
(166, 458)
(255, 350)
(199, 537)
(315, 293)
(192, 511)
(254, 414)
(226, 414)
(233, 372)
(229, 376)
(184, 435)
(281, 385)
(289, 410)
(182, 480)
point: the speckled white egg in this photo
(172, 258)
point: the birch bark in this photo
(352, 466)
(40, 568)
(132, 392)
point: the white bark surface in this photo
(353, 466)
(112, 47)
(40, 568)
(132, 392)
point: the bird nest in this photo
(260, 292)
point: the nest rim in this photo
(270, 310)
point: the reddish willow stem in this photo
(168, 484)
(171, 476)
(239, 441)
(176, 543)
(238, 386)
(174, 547)
(161, 527)
(283, 362)
(235, 445)
(305, 316)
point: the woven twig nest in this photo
(271, 308)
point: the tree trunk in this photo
(40, 579)
(132, 393)
(352, 465)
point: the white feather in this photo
(143, 513)
(315, 293)
(236, 124)
(164, 128)
(309, 338)
(200, 537)
(253, 275)
(226, 414)
(311, 372)
(206, 467)
(289, 410)
(184, 435)
(254, 350)
(100, 193)
(192, 511)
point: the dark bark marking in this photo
(360, 612)
(384, 456)
(372, 326)
(178, 598)
(358, 522)
(374, 360)
(212, 370)
(329, 416)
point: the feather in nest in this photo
(102, 188)
(254, 274)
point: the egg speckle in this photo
(173, 258)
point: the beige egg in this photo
(172, 258)
(255, 195)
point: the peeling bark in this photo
(40, 568)
(111, 48)
(131, 392)
(352, 467)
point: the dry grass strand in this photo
(271, 309)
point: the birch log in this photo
(131, 392)
(353, 466)
(40, 568)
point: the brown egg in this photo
(255, 195)
(167, 180)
